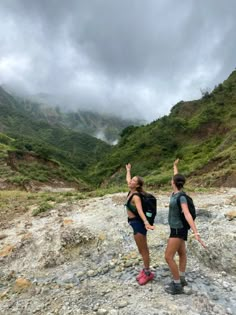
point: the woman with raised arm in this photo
(178, 234)
(139, 223)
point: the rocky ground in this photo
(80, 258)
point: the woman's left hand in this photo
(198, 238)
(149, 226)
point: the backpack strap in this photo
(130, 198)
(134, 194)
(182, 193)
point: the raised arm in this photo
(128, 173)
(175, 166)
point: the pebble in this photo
(80, 274)
(215, 297)
(188, 290)
(122, 304)
(165, 274)
(225, 285)
(102, 311)
(92, 273)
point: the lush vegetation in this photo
(103, 126)
(201, 133)
(71, 152)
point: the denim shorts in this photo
(137, 225)
(179, 233)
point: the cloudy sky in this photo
(135, 58)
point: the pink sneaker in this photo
(145, 278)
(139, 276)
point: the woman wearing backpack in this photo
(139, 223)
(178, 234)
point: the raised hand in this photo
(175, 166)
(176, 162)
(128, 167)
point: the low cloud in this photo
(130, 58)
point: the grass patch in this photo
(42, 208)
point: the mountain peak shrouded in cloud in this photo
(131, 58)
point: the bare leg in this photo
(182, 257)
(141, 241)
(173, 246)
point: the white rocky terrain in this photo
(80, 258)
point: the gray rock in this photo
(122, 304)
(102, 311)
(229, 311)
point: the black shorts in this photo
(179, 233)
(138, 226)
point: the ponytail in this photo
(140, 182)
(179, 181)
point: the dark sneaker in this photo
(146, 277)
(174, 288)
(183, 281)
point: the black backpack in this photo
(149, 205)
(191, 208)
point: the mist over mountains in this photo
(201, 133)
(58, 110)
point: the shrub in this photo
(42, 208)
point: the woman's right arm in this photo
(175, 166)
(138, 205)
(128, 173)
(190, 221)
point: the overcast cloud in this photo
(135, 58)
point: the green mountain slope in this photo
(37, 145)
(201, 133)
(73, 152)
(103, 126)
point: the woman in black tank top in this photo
(139, 224)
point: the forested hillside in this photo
(201, 133)
(34, 143)
(98, 124)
